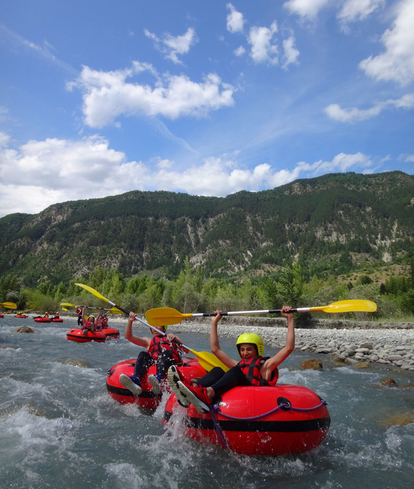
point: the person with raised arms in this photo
(253, 369)
(162, 350)
(87, 324)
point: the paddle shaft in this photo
(242, 313)
(86, 307)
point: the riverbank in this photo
(359, 343)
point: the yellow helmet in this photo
(252, 338)
(158, 327)
(91, 316)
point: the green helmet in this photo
(252, 338)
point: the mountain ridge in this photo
(326, 223)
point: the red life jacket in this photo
(89, 325)
(78, 310)
(99, 323)
(159, 343)
(251, 369)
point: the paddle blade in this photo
(94, 292)
(97, 294)
(9, 305)
(208, 361)
(348, 306)
(67, 304)
(163, 316)
(115, 310)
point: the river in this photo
(60, 428)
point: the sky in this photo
(101, 97)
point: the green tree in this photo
(249, 296)
(270, 296)
(8, 283)
(40, 302)
(291, 284)
(408, 301)
(60, 292)
(150, 298)
(46, 288)
(97, 277)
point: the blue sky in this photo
(100, 97)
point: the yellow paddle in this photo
(166, 315)
(206, 359)
(113, 310)
(9, 305)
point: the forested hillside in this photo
(329, 224)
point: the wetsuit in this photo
(79, 312)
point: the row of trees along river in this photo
(193, 292)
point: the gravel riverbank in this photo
(392, 343)
(354, 342)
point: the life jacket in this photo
(78, 310)
(251, 369)
(89, 325)
(99, 323)
(159, 343)
(104, 322)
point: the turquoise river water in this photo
(60, 428)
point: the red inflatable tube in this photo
(189, 369)
(78, 336)
(284, 431)
(110, 332)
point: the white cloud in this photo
(172, 46)
(239, 51)
(291, 53)
(235, 20)
(397, 62)
(4, 139)
(306, 8)
(41, 173)
(221, 177)
(351, 11)
(165, 164)
(334, 111)
(260, 38)
(107, 95)
(354, 10)
(406, 158)
(342, 162)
